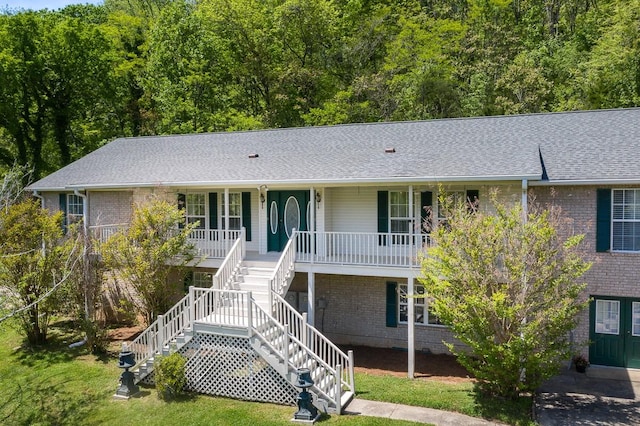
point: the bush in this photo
(170, 376)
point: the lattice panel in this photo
(228, 366)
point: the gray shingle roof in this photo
(574, 146)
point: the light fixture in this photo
(318, 197)
(262, 199)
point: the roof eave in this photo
(585, 182)
(284, 182)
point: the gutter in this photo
(306, 182)
(584, 182)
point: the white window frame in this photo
(196, 208)
(625, 213)
(235, 211)
(202, 279)
(396, 204)
(422, 310)
(607, 320)
(458, 196)
(75, 209)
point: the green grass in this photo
(460, 397)
(56, 385)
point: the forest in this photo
(74, 79)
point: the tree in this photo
(507, 285)
(35, 261)
(145, 255)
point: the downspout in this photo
(85, 258)
(35, 194)
(85, 207)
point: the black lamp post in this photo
(127, 386)
(306, 410)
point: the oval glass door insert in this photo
(291, 215)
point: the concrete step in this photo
(614, 373)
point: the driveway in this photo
(601, 396)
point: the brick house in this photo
(335, 212)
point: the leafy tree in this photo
(35, 262)
(145, 255)
(507, 285)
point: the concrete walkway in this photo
(388, 410)
(601, 396)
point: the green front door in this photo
(614, 325)
(287, 211)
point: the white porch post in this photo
(411, 329)
(311, 297)
(411, 361)
(312, 226)
(226, 213)
(525, 200)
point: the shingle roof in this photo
(574, 146)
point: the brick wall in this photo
(612, 274)
(110, 207)
(356, 314)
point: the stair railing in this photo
(317, 342)
(279, 281)
(164, 329)
(231, 263)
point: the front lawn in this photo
(61, 386)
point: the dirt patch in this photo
(385, 361)
(124, 334)
(379, 361)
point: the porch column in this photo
(311, 297)
(411, 329)
(525, 200)
(312, 226)
(226, 212)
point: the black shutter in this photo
(473, 197)
(426, 211)
(383, 216)
(603, 220)
(213, 210)
(246, 214)
(392, 304)
(182, 203)
(63, 208)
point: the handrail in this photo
(230, 264)
(165, 328)
(317, 342)
(213, 243)
(283, 267)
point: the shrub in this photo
(170, 376)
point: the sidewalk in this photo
(601, 396)
(388, 410)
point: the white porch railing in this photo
(103, 232)
(355, 248)
(232, 261)
(214, 243)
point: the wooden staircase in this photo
(246, 304)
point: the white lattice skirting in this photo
(228, 366)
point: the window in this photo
(399, 220)
(607, 316)
(196, 210)
(202, 279)
(625, 226)
(235, 211)
(75, 209)
(422, 310)
(456, 198)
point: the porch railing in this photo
(353, 248)
(103, 232)
(214, 243)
